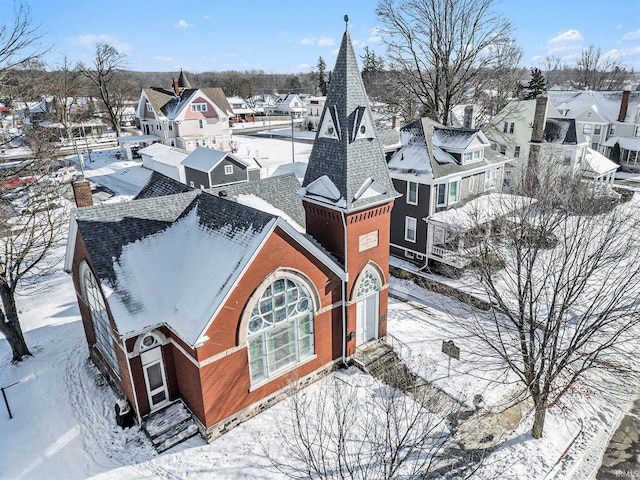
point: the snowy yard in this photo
(63, 423)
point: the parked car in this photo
(16, 182)
(64, 175)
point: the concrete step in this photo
(169, 426)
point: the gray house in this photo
(437, 169)
(206, 168)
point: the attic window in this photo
(228, 169)
(149, 107)
(198, 107)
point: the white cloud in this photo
(564, 37)
(163, 59)
(89, 41)
(375, 35)
(326, 41)
(307, 41)
(207, 17)
(619, 26)
(302, 67)
(632, 35)
(183, 24)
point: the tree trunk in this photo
(538, 419)
(10, 325)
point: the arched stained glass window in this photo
(280, 329)
(99, 317)
(368, 285)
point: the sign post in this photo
(450, 350)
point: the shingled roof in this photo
(171, 260)
(425, 145)
(160, 185)
(165, 101)
(347, 159)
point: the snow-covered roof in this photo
(206, 159)
(428, 147)
(479, 210)
(595, 162)
(170, 260)
(606, 104)
(624, 142)
(165, 154)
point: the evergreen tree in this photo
(322, 81)
(536, 86)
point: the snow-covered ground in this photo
(63, 423)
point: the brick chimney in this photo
(82, 193)
(469, 119)
(624, 104)
(539, 119)
(176, 87)
(537, 134)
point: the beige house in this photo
(186, 117)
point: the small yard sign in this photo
(450, 350)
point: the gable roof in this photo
(159, 185)
(424, 151)
(348, 159)
(166, 103)
(605, 103)
(206, 159)
(174, 260)
(279, 192)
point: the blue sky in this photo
(289, 36)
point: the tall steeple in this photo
(347, 168)
(347, 196)
(183, 82)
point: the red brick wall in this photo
(325, 225)
(226, 382)
(123, 381)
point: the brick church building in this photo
(199, 297)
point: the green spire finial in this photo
(346, 22)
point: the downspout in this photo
(133, 385)
(344, 293)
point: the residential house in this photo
(205, 168)
(315, 106)
(510, 129)
(515, 129)
(185, 117)
(165, 160)
(437, 168)
(609, 120)
(562, 142)
(259, 102)
(219, 301)
(241, 110)
(288, 104)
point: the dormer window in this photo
(472, 156)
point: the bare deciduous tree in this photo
(19, 40)
(596, 72)
(106, 75)
(31, 224)
(442, 50)
(349, 427)
(562, 270)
